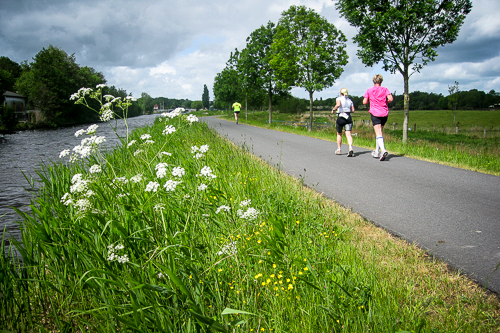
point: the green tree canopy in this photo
(51, 79)
(255, 63)
(403, 34)
(308, 52)
(227, 88)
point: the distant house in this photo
(155, 108)
(15, 101)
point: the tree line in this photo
(47, 82)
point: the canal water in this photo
(23, 152)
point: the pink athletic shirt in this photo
(377, 96)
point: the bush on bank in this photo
(177, 230)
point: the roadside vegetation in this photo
(179, 230)
(476, 146)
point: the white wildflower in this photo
(92, 129)
(64, 153)
(89, 193)
(161, 275)
(152, 187)
(107, 115)
(79, 132)
(202, 187)
(204, 148)
(206, 172)
(79, 187)
(178, 172)
(194, 149)
(245, 203)
(166, 153)
(161, 170)
(250, 214)
(149, 142)
(171, 184)
(108, 97)
(83, 205)
(198, 155)
(66, 199)
(228, 249)
(122, 195)
(224, 208)
(186, 196)
(192, 118)
(137, 152)
(137, 178)
(169, 130)
(100, 86)
(76, 178)
(96, 168)
(145, 136)
(131, 143)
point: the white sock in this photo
(380, 143)
(376, 146)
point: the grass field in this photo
(178, 230)
(469, 149)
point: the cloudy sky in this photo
(171, 48)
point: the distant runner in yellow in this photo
(236, 107)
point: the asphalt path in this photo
(452, 213)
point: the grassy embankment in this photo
(468, 149)
(250, 250)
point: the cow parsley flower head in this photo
(145, 136)
(245, 203)
(223, 208)
(250, 214)
(178, 172)
(206, 172)
(96, 168)
(229, 249)
(137, 178)
(92, 129)
(202, 187)
(192, 118)
(152, 187)
(161, 170)
(79, 132)
(204, 149)
(131, 143)
(169, 129)
(171, 184)
(64, 153)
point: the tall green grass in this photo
(237, 248)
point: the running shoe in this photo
(375, 154)
(350, 153)
(338, 151)
(384, 155)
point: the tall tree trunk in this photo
(270, 109)
(406, 108)
(246, 106)
(310, 110)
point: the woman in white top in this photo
(344, 108)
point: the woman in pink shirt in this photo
(378, 97)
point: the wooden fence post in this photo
(414, 127)
(434, 128)
(456, 130)
(394, 126)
